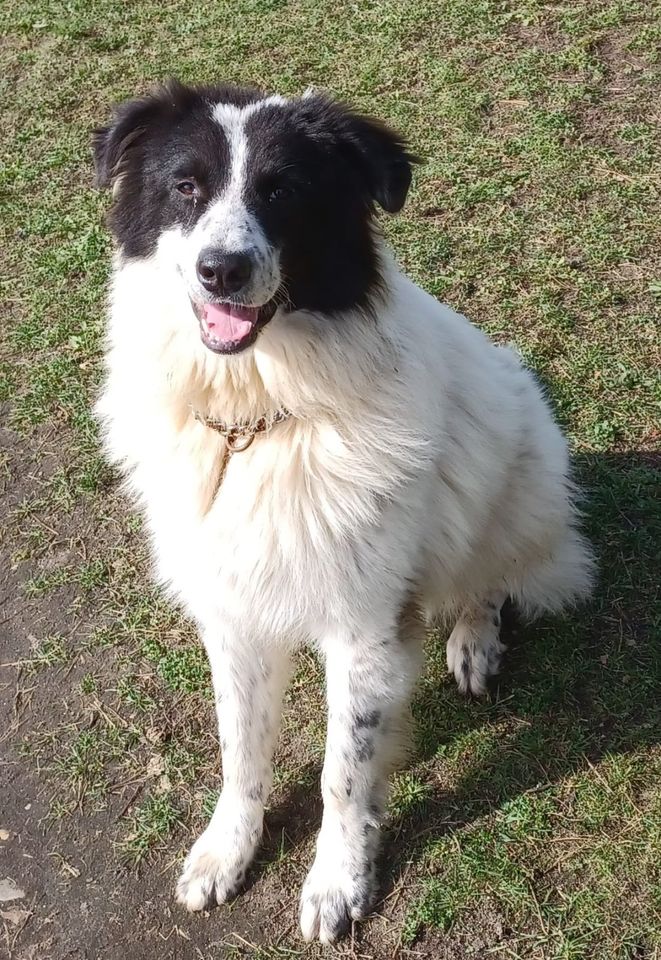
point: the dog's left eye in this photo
(274, 188)
(279, 192)
(187, 188)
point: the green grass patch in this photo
(51, 650)
(150, 825)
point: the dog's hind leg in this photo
(249, 683)
(474, 649)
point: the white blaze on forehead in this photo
(233, 121)
(228, 224)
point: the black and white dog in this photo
(324, 454)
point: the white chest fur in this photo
(291, 537)
(405, 450)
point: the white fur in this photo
(420, 469)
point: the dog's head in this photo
(258, 201)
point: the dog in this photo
(323, 453)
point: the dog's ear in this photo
(131, 120)
(378, 154)
(111, 143)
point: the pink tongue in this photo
(227, 322)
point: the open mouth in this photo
(231, 327)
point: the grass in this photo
(524, 826)
(50, 650)
(149, 826)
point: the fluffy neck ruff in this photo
(316, 366)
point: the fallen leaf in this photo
(155, 766)
(9, 891)
(164, 785)
(17, 917)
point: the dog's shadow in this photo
(572, 689)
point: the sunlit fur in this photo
(420, 475)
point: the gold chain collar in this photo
(238, 437)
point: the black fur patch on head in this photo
(315, 172)
(377, 157)
(328, 168)
(152, 145)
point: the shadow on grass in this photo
(572, 689)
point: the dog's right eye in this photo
(187, 188)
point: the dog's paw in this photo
(474, 653)
(333, 897)
(216, 866)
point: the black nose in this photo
(223, 273)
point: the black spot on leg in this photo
(363, 899)
(349, 786)
(339, 921)
(256, 793)
(370, 720)
(465, 662)
(365, 750)
(493, 658)
(209, 896)
(364, 742)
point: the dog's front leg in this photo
(370, 677)
(249, 683)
